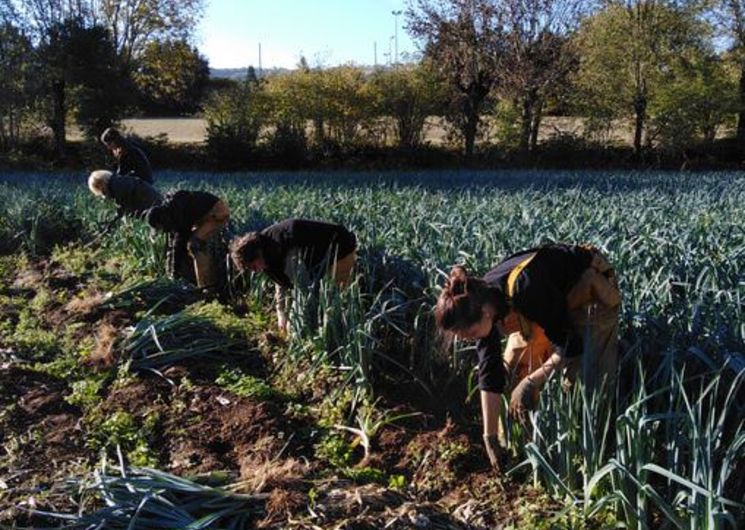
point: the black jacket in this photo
(311, 241)
(132, 195)
(540, 295)
(182, 209)
(134, 163)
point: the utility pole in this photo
(395, 14)
(390, 51)
(375, 53)
(260, 70)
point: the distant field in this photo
(179, 130)
(194, 130)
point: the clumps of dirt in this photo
(218, 430)
(386, 449)
(260, 474)
(37, 394)
(140, 392)
(102, 356)
(441, 459)
(85, 306)
(58, 278)
(345, 505)
(282, 505)
(28, 280)
(40, 409)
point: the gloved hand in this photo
(494, 451)
(521, 400)
(195, 245)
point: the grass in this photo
(665, 447)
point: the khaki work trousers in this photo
(594, 304)
(204, 264)
(341, 272)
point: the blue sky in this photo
(326, 32)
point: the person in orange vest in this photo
(558, 307)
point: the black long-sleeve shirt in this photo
(134, 163)
(540, 294)
(182, 209)
(132, 195)
(310, 241)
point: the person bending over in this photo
(190, 218)
(130, 159)
(132, 196)
(558, 305)
(296, 248)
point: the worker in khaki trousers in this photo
(206, 227)
(191, 218)
(593, 304)
(297, 252)
(557, 305)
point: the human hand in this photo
(494, 451)
(521, 399)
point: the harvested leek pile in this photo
(143, 499)
(157, 341)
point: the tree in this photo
(697, 97)
(292, 108)
(732, 20)
(463, 38)
(135, 23)
(171, 77)
(624, 51)
(235, 118)
(80, 61)
(408, 95)
(537, 59)
(88, 51)
(18, 89)
(346, 102)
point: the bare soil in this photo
(201, 428)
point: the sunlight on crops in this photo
(671, 438)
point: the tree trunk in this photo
(640, 109)
(469, 132)
(58, 117)
(318, 132)
(741, 112)
(526, 119)
(405, 132)
(535, 125)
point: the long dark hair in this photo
(245, 249)
(462, 300)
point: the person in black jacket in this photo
(130, 159)
(565, 293)
(296, 249)
(132, 196)
(190, 218)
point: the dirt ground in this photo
(192, 426)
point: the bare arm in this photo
(525, 393)
(491, 410)
(543, 372)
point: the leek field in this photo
(129, 401)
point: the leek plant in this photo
(144, 499)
